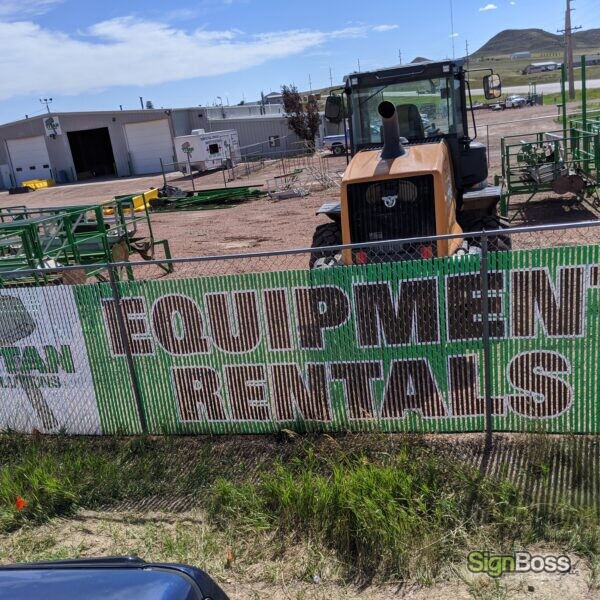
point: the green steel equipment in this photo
(561, 162)
(89, 235)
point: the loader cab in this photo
(432, 101)
(416, 169)
(429, 101)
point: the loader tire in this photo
(328, 234)
(497, 243)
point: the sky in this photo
(101, 55)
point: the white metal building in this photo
(78, 146)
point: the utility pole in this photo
(467, 57)
(330, 77)
(569, 62)
(358, 64)
(452, 26)
(309, 83)
(399, 57)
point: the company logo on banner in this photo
(52, 126)
(45, 379)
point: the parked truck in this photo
(335, 144)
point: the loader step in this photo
(483, 200)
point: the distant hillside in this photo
(536, 41)
(587, 39)
(521, 40)
(419, 59)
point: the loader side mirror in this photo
(334, 109)
(492, 87)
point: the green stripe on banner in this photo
(380, 347)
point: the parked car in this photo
(498, 106)
(515, 102)
(335, 144)
(107, 579)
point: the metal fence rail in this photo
(252, 343)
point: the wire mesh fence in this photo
(444, 334)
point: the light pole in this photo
(47, 102)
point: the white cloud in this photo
(24, 8)
(132, 52)
(454, 35)
(383, 28)
(512, 3)
(488, 7)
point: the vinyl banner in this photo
(386, 347)
(45, 378)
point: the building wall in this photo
(21, 130)
(255, 133)
(253, 126)
(59, 150)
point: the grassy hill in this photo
(587, 39)
(520, 40)
(536, 41)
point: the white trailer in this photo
(207, 151)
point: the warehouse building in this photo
(80, 146)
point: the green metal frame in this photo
(573, 151)
(33, 238)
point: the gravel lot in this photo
(264, 225)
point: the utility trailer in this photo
(202, 151)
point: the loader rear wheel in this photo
(328, 234)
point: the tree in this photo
(303, 118)
(149, 105)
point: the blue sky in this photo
(99, 55)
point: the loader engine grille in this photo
(390, 210)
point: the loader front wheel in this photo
(328, 234)
(497, 243)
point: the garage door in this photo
(148, 143)
(29, 158)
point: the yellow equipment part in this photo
(424, 159)
(38, 184)
(140, 202)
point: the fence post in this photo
(125, 340)
(162, 169)
(487, 361)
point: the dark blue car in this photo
(128, 578)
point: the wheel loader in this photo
(416, 170)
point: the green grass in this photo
(385, 507)
(593, 96)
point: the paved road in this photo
(546, 88)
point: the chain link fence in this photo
(444, 334)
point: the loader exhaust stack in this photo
(392, 147)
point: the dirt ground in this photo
(184, 537)
(265, 225)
